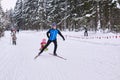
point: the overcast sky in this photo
(8, 4)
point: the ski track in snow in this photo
(86, 59)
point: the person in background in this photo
(86, 31)
(14, 38)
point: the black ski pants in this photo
(48, 42)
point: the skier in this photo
(43, 43)
(14, 38)
(52, 37)
(86, 32)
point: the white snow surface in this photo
(87, 59)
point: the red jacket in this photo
(43, 44)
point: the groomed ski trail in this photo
(85, 61)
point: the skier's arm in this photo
(48, 34)
(61, 35)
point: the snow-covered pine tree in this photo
(69, 14)
(108, 17)
(57, 11)
(30, 14)
(18, 15)
(81, 13)
(1, 15)
(2, 19)
(8, 18)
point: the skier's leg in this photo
(87, 33)
(55, 46)
(45, 47)
(15, 42)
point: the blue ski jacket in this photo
(52, 34)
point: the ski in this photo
(36, 57)
(58, 56)
(52, 55)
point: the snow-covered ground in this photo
(87, 59)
